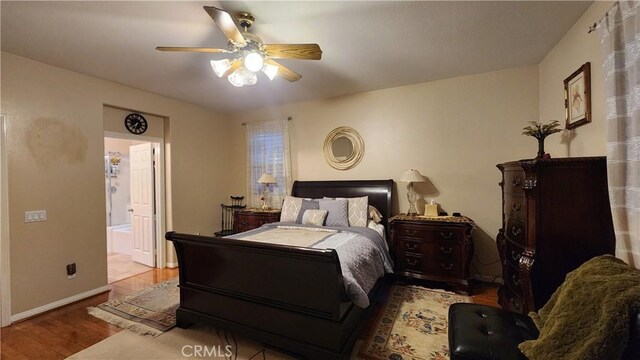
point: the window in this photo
(268, 152)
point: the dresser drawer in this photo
(513, 181)
(513, 279)
(511, 301)
(513, 252)
(516, 231)
(515, 206)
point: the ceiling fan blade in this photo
(226, 24)
(235, 64)
(285, 72)
(192, 49)
(294, 51)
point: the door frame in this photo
(5, 265)
(160, 217)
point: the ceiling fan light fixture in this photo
(242, 77)
(253, 61)
(220, 67)
(270, 70)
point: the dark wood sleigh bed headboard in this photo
(378, 191)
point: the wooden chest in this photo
(555, 216)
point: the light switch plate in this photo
(33, 216)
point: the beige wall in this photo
(55, 157)
(453, 131)
(574, 49)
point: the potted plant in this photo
(541, 131)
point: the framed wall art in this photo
(577, 97)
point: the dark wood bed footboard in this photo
(292, 298)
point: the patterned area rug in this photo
(412, 325)
(150, 311)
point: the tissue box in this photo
(431, 210)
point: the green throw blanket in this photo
(589, 315)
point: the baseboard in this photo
(172, 265)
(59, 303)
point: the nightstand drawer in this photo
(249, 220)
(418, 264)
(431, 249)
(430, 233)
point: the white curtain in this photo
(620, 37)
(268, 153)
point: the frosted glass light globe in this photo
(253, 62)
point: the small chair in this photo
(228, 212)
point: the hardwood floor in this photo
(62, 332)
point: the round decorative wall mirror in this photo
(343, 148)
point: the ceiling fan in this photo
(249, 54)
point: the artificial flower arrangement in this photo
(541, 131)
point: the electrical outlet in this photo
(71, 271)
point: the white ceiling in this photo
(366, 45)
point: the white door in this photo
(142, 203)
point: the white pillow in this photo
(290, 209)
(314, 217)
(374, 214)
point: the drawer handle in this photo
(515, 256)
(516, 304)
(243, 221)
(411, 232)
(412, 262)
(411, 247)
(446, 250)
(516, 207)
(516, 230)
(516, 181)
(446, 236)
(446, 267)
(515, 280)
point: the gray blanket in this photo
(362, 253)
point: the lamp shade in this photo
(267, 179)
(411, 176)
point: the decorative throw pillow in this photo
(374, 214)
(314, 217)
(290, 209)
(338, 214)
(307, 205)
(358, 211)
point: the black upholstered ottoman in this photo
(481, 332)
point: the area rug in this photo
(196, 342)
(150, 311)
(412, 325)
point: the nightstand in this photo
(254, 218)
(438, 248)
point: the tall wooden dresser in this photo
(555, 216)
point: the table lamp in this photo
(265, 180)
(410, 176)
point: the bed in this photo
(289, 298)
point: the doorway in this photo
(133, 173)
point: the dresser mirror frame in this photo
(357, 145)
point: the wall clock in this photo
(136, 123)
